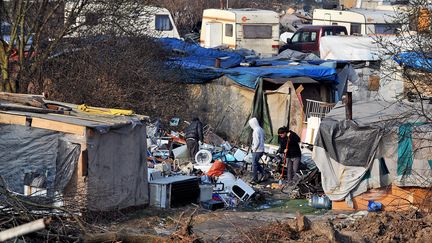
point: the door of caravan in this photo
(213, 36)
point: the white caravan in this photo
(359, 21)
(148, 20)
(254, 29)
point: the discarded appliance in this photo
(203, 157)
(241, 28)
(174, 191)
(242, 190)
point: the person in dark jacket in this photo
(194, 134)
(289, 146)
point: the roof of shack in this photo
(75, 117)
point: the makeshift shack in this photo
(94, 158)
(228, 104)
(383, 154)
(228, 83)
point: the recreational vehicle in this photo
(359, 21)
(143, 20)
(241, 28)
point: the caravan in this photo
(359, 21)
(144, 20)
(241, 28)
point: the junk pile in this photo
(220, 173)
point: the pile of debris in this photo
(219, 174)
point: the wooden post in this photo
(348, 106)
(24, 229)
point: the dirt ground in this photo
(236, 225)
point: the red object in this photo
(275, 46)
(217, 169)
(244, 18)
(307, 39)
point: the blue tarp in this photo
(421, 61)
(197, 65)
(247, 76)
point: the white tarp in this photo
(352, 48)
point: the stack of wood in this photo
(419, 81)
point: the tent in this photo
(98, 158)
(386, 144)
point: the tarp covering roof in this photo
(100, 122)
(416, 60)
(197, 64)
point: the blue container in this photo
(374, 206)
(318, 202)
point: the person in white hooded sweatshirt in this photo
(257, 149)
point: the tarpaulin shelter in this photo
(99, 157)
(386, 144)
(197, 64)
(275, 108)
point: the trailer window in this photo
(228, 30)
(355, 29)
(163, 22)
(386, 28)
(257, 31)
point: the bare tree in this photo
(36, 28)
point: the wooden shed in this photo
(94, 155)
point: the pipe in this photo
(218, 63)
(24, 229)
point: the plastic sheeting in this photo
(247, 76)
(197, 65)
(348, 143)
(117, 168)
(416, 60)
(31, 150)
(351, 48)
(374, 150)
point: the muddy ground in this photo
(277, 224)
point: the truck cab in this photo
(307, 38)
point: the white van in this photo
(359, 21)
(254, 29)
(148, 20)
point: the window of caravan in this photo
(228, 30)
(386, 28)
(355, 29)
(251, 31)
(163, 22)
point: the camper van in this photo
(241, 28)
(358, 21)
(152, 21)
